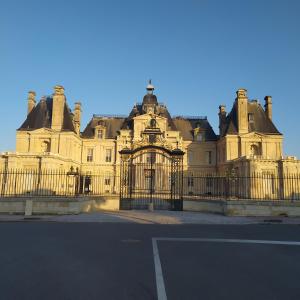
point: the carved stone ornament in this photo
(241, 93)
(59, 90)
(31, 95)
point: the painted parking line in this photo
(160, 285)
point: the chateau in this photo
(248, 142)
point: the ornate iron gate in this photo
(151, 176)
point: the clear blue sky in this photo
(198, 53)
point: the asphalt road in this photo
(41, 260)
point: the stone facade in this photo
(51, 138)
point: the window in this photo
(108, 155)
(153, 123)
(255, 150)
(209, 157)
(100, 134)
(107, 181)
(90, 153)
(200, 136)
(190, 181)
(45, 146)
(190, 157)
(209, 182)
(251, 118)
(269, 183)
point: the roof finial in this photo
(150, 87)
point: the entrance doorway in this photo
(151, 176)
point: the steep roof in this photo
(41, 117)
(112, 125)
(137, 110)
(150, 99)
(261, 123)
(187, 125)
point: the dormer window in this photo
(199, 133)
(100, 130)
(100, 134)
(200, 137)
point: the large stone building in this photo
(247, 143)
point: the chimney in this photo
(222, 119)
(268, 106)
(77, 117)
(31, 101)
(242, 111)
(59, 100)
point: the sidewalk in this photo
(156, 217)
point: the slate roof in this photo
(138, 111)
(261, 123)
(41, 117)
(150, 99)
(112, 125)
(187, 125)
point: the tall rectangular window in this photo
(200, 137)
(100, 134)
(251, 117)
(190, 181)
(108, 155)
(190, 157)
(90, 153)
(209, 157)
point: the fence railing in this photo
(257, 187)
(19, 183)
(52, 183)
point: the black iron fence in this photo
(258, 186)
(46, 183)
(20, 183)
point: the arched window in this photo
(153, 123)
(45, 146)
(254, 150)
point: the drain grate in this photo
(32, 218)
(273, 221)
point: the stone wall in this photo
(248, 208)
(58, 205)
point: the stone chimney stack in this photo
(222, 119)
(242, 111)
(31, 101)
(77, 117)
(268, 106)
(59, 100)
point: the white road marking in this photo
(291, 243)
(160, 285)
